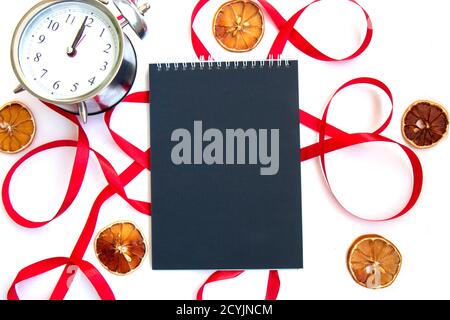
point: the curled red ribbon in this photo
(273, 283)
(286, 33)
(117, 182)
(338, 138)
(116, 185)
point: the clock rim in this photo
(23, 23)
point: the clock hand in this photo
(72, 50)
(81, 40)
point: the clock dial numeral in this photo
(91, 81)
(56, 85)
(70, 19)
(41, 38)
(53, 25)
(108, 47)
(37, 57)
(74, 87)
(89, 22)
(44, 72)
(105, 64)
(101, 33)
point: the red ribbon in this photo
(116, 185)
(273, 283)
(286, 33)
(338, 138)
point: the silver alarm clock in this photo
(74, 54)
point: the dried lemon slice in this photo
(373, 261)
(238, 25)
(120, 247)
(17, 127)
(424, 124)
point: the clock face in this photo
(69, 50)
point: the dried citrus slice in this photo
(424, 123)
(238, 25)
(373, 261)
(120, 247)
(17, 127)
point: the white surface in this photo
(409, 52)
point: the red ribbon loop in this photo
(92, 274)
(286, 33)
(340, 139)
(273, 283)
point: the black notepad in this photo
(225, 166)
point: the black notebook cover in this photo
(223, 196)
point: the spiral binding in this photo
(209, 64)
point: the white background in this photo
(409, 52)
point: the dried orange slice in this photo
(120, 247)
(424, 124)
(373, 261)
(17, 127)
(238, 25)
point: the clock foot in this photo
(82, 110)
(19, 89)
